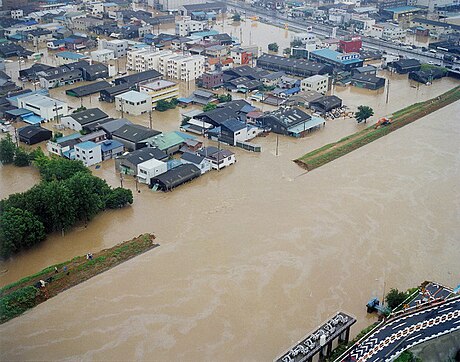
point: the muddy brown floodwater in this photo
(254, 256)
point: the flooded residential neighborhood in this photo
(254, 255)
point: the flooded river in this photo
(254, 256)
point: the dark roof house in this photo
(133, 135)
(34, 134)
(175, 177)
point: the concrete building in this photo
(69, 57)
(182, 67)
(43, 106)
(387, 31)
(160, 90)
(103, 55)
(17, 13)
(150, 169)
(145, 59)
(133, 102)
(88, 152)
(317, 83)
(186, 26)
(337, 60)
(212, 79)
(77, 121)
(119, 47)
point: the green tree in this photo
(19, 229)
(273, 47)
(85, 198)
(296, 43)
(58, 206)
(162, 105)
(80, 109)
(56, 135)
(58, 168)
(7, 150)
(236, 17)
(364, 112)
(209, 107)
(118, 198)
(21, 158)
(287, 51)
(395, 298)
(225, 98)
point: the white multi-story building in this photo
(133, 102)
(103, 55)
(387, 31)
(145, 59)
(182, 67)
(317, 83)
(172, 65)
(88, 152)
(17, 14)
(118, 46)
(43, 106)
(150, 169)
(187, 26)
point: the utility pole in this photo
(388, 91)
(121, 179)
(121, 108)
(150, 119)
(57, 114)
(277, 144)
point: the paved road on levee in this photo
(407, 331)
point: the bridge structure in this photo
(320, 340)
(406, 330)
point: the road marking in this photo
(446, 309)
(414, 337)
(456, 322)
(399, 325)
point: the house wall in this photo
(317, 85)
(89, 157)
(135, 108)
(69, 122)
(160, 94)
(112, 153)
(145, 173)
(227, 161)
(204, 166)
(48, 113)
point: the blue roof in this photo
(247, 108)
(72, 136)
(304, 126)
(185, 136)
(19, 112)
(205, 33)
(198, 13)
(233, 124)
(70, 55)
(291, 91)
(333, 55)
(402, 9)
(32, 119)
(184, 100)
(109, 145)
(87, 145)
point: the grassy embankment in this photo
(22, 295)
(332, 151)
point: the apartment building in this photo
(317, 83)
(145, 59)
(119, 47)
(182, 67)
(160, 90)
(187, 26)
